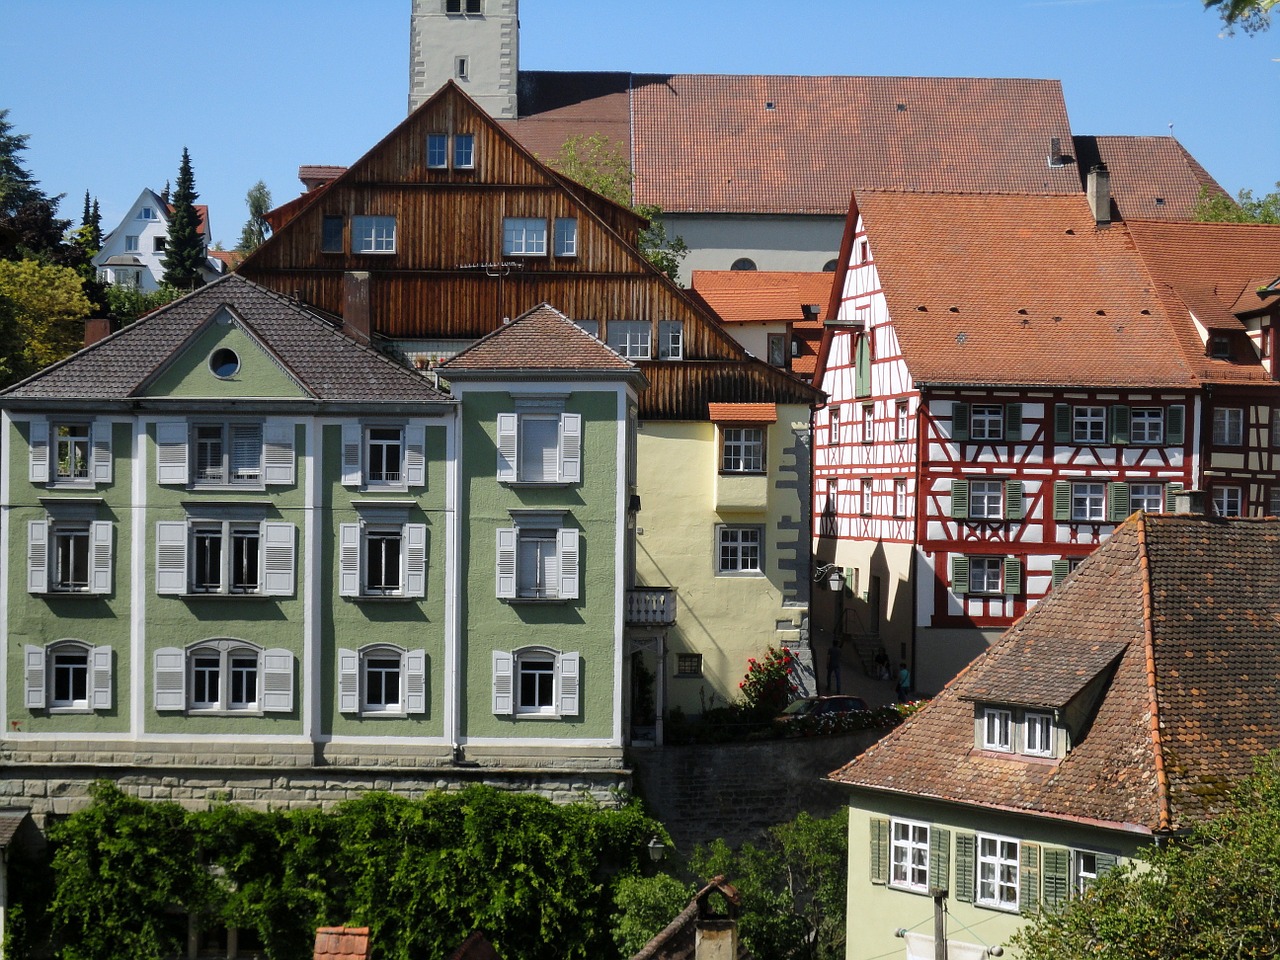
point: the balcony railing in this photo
(648, 606)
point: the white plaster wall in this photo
(773, 242)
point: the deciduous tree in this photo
(1249, 15)
(1220, 208)
(42, 313)
(256, 229)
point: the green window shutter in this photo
(1061, 567)
(1013, 499)
(1028, 878)
(1012, 576)
(1056, 880)
(879, 850)
(1119, 415)
(939, 858)
(1013, 422)
(862, 367)
(959, 421)
(1118, 501)
(1175, 424)
(1062, 422)
(1171, 490)
(959, 499)
(1061, 500)
(959, 575)
(1105, 862)
(966, 859)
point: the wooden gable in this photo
(448, 277)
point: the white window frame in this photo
(1088, 501)
(1146, 426)
(524, 236)
(89, 446)
(899, 498)
(986, 499)
(997, 729)
(739, 550)
(147, 213)
(909, 855)
(986, 421)
(41, 675)
(371, 660)
(176, 560)
(1084, 870)
(45, 536)
(131, 243)
(174, 678)
(632, 339)
(566, 236)
(1147, 496)
(239, 454)
(373, 235)
(353, 681)
(1228, 426)
(354, 555)
(357, 460)
(558, 576)
(902, 417)
(514, 430)
(1037, 734)
(464, 151)
(509, 689)
(670, 339)
(1273, 502)
(742, 449)
(866, 494)
(986, 575)
(437, 151)
(178, 453)
(1228, 501)
(868, 423)
(997, 871)
(1089, 424)
(231, 576)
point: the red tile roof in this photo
(342, 943)
(541, 339)
(743, 412)
(745, 295)
(1152, 178)
(1017, 290)
(556, 106)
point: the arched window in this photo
(535, 682)
(224, 675)
(382, 680)
(67, 675)
(743, 263)
(829, 266)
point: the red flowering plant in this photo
(767, 686)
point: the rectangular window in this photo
(538, 560)
(524, 237)
(739, 549)
(986, 422)
(1089, 424)
(536, 681)
(464, 150)
(1275, 427)
(373, 234)
(437, 151)
(71, 452)
(670, 339)
(384, 456)
(1146, 426)
(1273, 503)
(1084, 869)
(985, 574)
(631, 338)
(539, 447)
(382, 558)
(244, 682)
(867, 497)
(147, 213)
(70, 668)
(206, 682)
(535, 684)
(383, 550)
(901, 419)
(688, 665)
(331, 235)
(227, 453)
(997, 729)
(1228, 426)
(226, 557)
(566, 236)
(910, 856)
(868, 423)
(1088, 502)
(743, 450)
(464, 6)
(70, 572)
(899, 498)
(537, 564)
(777, 348)
(158, 244)
(1038, 735)
(382, 682)
(833, 422)
(131, 244)
(461, 67)
(986, 499)
(1146, 496)
(997, 872)
(1228, 501)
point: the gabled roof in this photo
(324, 362)
(341, 943)
(1195, 604)
(1152, 178)
(1017, 290)
(678, 940)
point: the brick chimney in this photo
(1099, 192)
(1190, 501)
(98, 328)
(355, 305)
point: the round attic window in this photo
(224, 363)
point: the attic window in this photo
(1159, 201)
(1220, 346)
(743, 263)
(768, 104)
(829, 267)
(224, 363)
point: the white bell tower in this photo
(474, 42)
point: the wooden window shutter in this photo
(1013, 422)
(939, 858)
(1105, 862)
(1118, 501)
(348, 681)
(504, 701)
(959, 421)
(1028, 878)
(1175, 424)
(33, 677)
(959, 575)
(1061, 567)
(1012, 576)
(1062, 500)
(415, 455)
(570, 447)
(100, 556)
(415, 681)
(169, 678)
(1062, 423)
(415, 552)
(567, 554)
(171, 558)
(508, 540)
(277, 679)
(100, 457)
(879, 854)
(508, 427)
(1118, 414)
(1171, 492)
(277, 453)
(966, 861)
(570, 675)
(959, 499)
(38, 556)
(38, 451)
(171, 452)
(1013, 499)
(100, 678)
(352, 448)
(862, 369)
(349, 559)
(278, 551)
(1056, 881)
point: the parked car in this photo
(821, 706)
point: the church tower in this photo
(474, 42)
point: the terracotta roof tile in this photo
(342, 943)
(740, 295)
(11, 818)
(558, 105)
(541, 339)
(1152, 178)
(743, 412)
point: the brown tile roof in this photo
(11, 818)
(1017, 289)
(1152, 178)
(326, 363)
(230, 258)
(743, 412)
(742, 295)
(1037, 677)
(1205, 666)
(342, 943)
(556, 106)
(541, 339)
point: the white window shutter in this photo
(277, 680)
(100, 556)
(33, 677)
(415, 455)
(38, 448)
(38, 556)
(415, 681)
(171, 557)
(415, 560)
(570, 447)
(349, 560)
(348, 681)
(277, 452)
(569, 680)
(352, 441)
(278, 551)
(506, 562)
(101, 455)
(171, 451)
(567, 552)
(508, 425)
(100, 694)
(170, 678)
(504, 701)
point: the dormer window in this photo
(1028, 733)
(1220, 346)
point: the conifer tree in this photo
(185, 251)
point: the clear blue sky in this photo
(111, 91)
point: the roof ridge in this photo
(1139, 519)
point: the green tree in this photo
(42, 313)
(1220, 208)
(185, 251)
(645, 906)
(126, 303)
(256, 229)
(1212, 895)
(1250, 15)
(17, 185)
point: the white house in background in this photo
(133, 252)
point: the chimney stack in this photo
(1190, 501)
(1099, 191)
(98, 328)
(355, 305)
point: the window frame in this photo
(986, 422)
(92, 542)
(333, 240)
(1146, 426)
(868, 423)
(866, 497)
(902, 418)
(522, 238)
(227, 533)
(513, 436)
(509, 689)
(464, 151)
(1005, 871)
(1143, 494)
(1084, 501)
(1227, 496)
(565, 236)
(1089, 424)
(232, 437)
(511, 567)
(1037, 727)
(437, 151)
(980, 571)
(374, 235)
(742, 449)
(997, 729)
(70, 703)
(986, 499)
(632, 339)
(176, 558)
(227, 653)
(1228, 426)
(131, 243)
(899, 497)
(147, 213)
(737, 546)
(688, 665)
(388, 653)
(1081, 878)
(908, 846)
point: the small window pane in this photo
(566, 237)
(437, 150)
(331, 241)
(464, 151)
